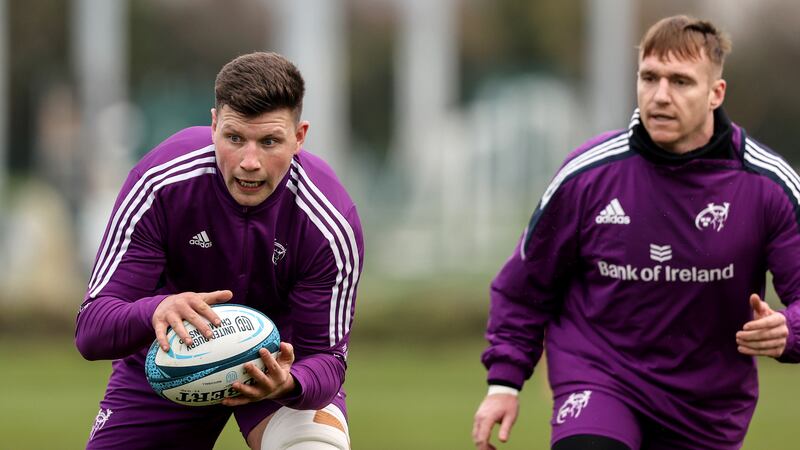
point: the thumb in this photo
(212, 298)
(760, 308)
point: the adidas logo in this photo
(201, 239)
(613, 213)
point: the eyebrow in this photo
(667, 74)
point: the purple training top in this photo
(175, 228)
(635, 274)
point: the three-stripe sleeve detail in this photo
(137, 202)
(341, 238)
(607, 151)
(775, 167)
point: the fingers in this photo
(774, 352)
(274, 381)
(161, 335)
(212, 298)
(766, 322)
(180, 330)
(285, 354)
(775, 331)
(247, 392)
(505, 426)
(765, 336)
(481, 430)
(486, 417)
(191, 307)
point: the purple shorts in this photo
(134, 417)
(588, 411)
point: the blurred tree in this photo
(762, 95)
(38, 57)
(177, 48)
(507, 37)
(371, 40)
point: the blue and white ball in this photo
(202, 373)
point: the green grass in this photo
(400, 395)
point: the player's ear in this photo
(300, 134)
(717, 94)
(213, 120)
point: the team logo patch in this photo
(712, 217)
(278, 253)
(100, 421)
(573, 406)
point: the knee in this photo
(291, 429)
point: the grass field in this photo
(401, 396)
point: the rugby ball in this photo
(202, 373)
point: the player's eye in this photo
(235, 139)
(647, 78)
(682, 82)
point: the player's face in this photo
(676, 100)
(254, 153)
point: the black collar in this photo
(719, 147)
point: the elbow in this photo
(85, 347)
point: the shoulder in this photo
(600, 150)
(334, 228)
(603, 148)
(186, 146)
(758, 157)
(314, 180)
(762, 160)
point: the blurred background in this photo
(445, 119)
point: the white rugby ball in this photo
(202, 373)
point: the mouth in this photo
(249, 185)
(660, 117)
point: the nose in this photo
(250, 161)
(661, 94)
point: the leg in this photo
(589, 419)
(257, 421)
(589, 442)
(292, 429)
(137, 419)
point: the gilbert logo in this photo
(713, 217)
(613, 213)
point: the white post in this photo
(426, 65)
(311, 34)
(612, 54)
(100, 35)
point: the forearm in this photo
(111, 328)
(791, 353)
(320, 377)
(516, 336)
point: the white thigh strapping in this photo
(293, 429)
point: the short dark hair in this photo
(260, 82)
(685, 37)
